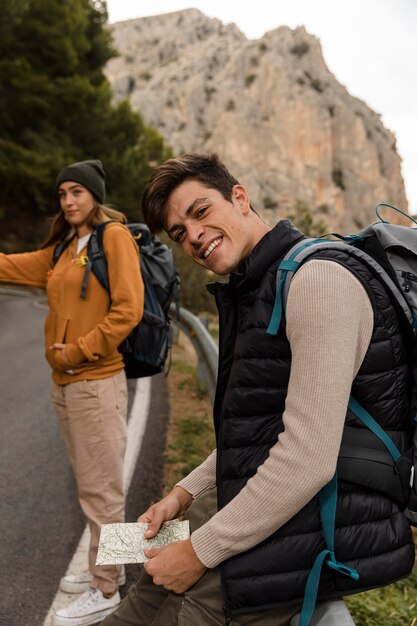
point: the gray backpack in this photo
(391, 252)
(374, 461)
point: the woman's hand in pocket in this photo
(60, 346)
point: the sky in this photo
(369, 45)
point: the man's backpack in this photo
(379, 463)
(146, 348)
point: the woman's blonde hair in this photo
(60, 230)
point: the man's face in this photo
(212, 231)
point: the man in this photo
(279, 413)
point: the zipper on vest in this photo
(227, 615)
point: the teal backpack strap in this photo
(289, 264)
(328, 501)
(367, 419)
(278, 311)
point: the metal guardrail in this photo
(328, 613)
(24, 292)
(204, 345)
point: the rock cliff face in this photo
(270, 107)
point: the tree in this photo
(56, 108)
(302, 217)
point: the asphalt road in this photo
(40, 520)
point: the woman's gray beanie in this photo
(90, 174)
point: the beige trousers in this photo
(147, 604)
(92, 417)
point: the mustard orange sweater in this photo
(92, 328)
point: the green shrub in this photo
(250, 78)
(300, 49)
(337, 176)
(302, 217)
(269, 203)
(395, 605)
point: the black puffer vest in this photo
(371, 534)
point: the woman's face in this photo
(76, 203)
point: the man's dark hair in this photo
(204, 168)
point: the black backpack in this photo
(146, 348)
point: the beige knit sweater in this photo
(329, 327)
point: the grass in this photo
(190, 441)
(395, 605)
(190, 434)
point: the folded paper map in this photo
(124, 543)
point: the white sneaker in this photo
(78, 583)
(90, 608)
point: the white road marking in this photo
(135, 431)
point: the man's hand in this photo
(176, 567)
(175, 503)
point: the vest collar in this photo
(270, 248)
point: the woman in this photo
(88, 382)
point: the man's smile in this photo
(211, 247)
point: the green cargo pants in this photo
(147, 604)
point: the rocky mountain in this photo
(270, 107)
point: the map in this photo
(124, 543)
